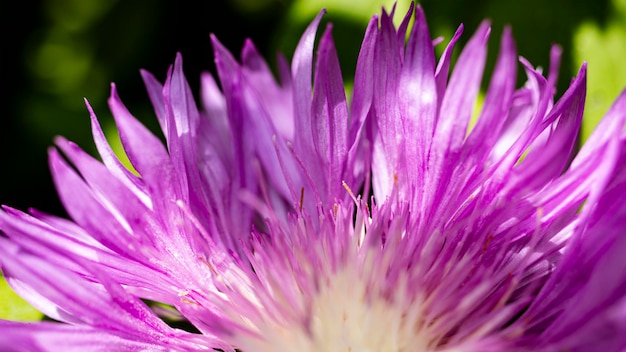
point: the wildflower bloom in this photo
(256, 225)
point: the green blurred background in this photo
(56, 52)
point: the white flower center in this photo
(345, 318)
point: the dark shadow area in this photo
(127, 36)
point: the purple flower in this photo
(255, 228)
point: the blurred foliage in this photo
(59, 51)
(604, 47)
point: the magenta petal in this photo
(443, 67)
(460, 95)
(302, 70)
(155, 92)
(60, 248)
(330, 123)
(546, 161)
(57, 337)
(387, 148)
(363, 80)
(82, 204)
(361, 126)
(214, 149)
(404, 25)
(276, 100)
(111, 308)
(418, 98)
(148, 156)
(452, 123)
(111, 161)
(590, 281)
(497, 101)
(606, 130)
(524, 124)
(183, 119)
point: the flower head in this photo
(280, 217)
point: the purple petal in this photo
(330, 122)
(155, 93)
(302, 69)
(417, 95)
(453, 121)
(497, 102)
(87, 302)
(600, 231)
(402, 28)
(592, 278)
(112, 162)
(387, 147)
(363, 80)
(89, 212)
(275, 99)
(148, 156)
(546, 161)
(443, 67)
(60, 249)
(47, 336)
(461, 94)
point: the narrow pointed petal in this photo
(443, 67)
(60, 337)
(82, 205)
(85, 301)
(497, 101)
(330, 121)
(363, 80)
(404, 25)
(461, 94)
(388, 144)
(302, 70)
(453, 120)
(418, 98)
(155, 93)
(112, 162)
(148, 155)
(277, 100)
(546, 161)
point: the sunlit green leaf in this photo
(604, 47)
(13, 307)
